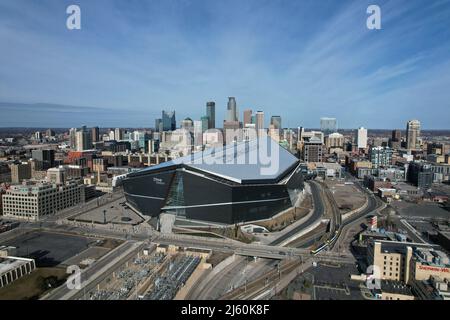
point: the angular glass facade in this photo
(222, 193)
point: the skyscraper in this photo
(259, 121)
(211, 114)
(361, 138)
(158, 125)
(205, 123)
(412, 134)
(247, 116)
(276, 122)
(168, 120)
(232, 110)
(328, 125)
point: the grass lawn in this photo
(33, 285)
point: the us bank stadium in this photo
(245, 181)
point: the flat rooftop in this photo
(396, 288)
(10, 263)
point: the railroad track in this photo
(257, 287)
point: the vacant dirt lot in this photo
(348, 197)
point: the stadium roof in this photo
(260, 160)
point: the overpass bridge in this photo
(280, 253)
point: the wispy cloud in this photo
(299, 59)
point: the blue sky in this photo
(299, 59)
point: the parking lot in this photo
(423, 210)
(47, 248)
(333, 283)
(328, 282)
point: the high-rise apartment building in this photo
(211, 114)
(361, 138)
(380, 156)
(412, 134)
(83, 139)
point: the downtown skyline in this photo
(301, 61)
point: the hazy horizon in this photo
(16, 115)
